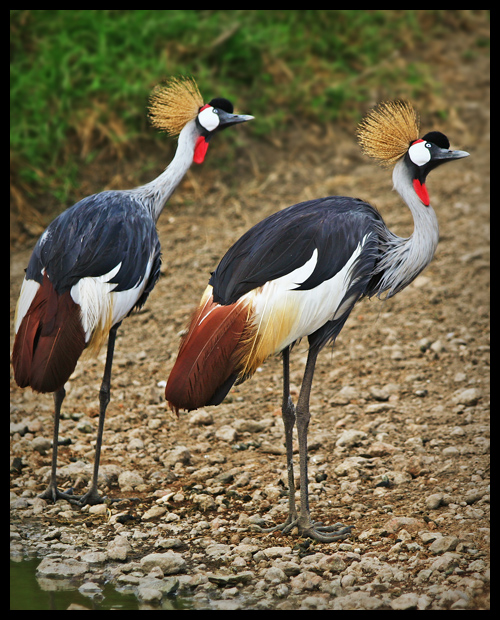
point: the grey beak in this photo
(227, 119)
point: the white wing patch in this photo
(278, 303)
(29, 289)
(100, 306)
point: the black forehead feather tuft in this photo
(437, 138)
(222, 104)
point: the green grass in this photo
(80, 79)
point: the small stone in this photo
(345, 395)
(170, 562)
(434, 501)
(275, 575)
(349, 438)
(437, 346)
(226, 433)
(61, 569)
(94, 557)
(149, 595)
(405, 601)
(468, 397)
(428, 537)
(204, 473)
(201, 418)
(357, 600)
(205, 502)
(98, 509)
(228, 579)
(410, 524)
(473, 495)
(306, 580)
(272, 448)
(276, 552)
(379, 393)
(248, 425)
(118, 549)
(446, 562)
(89, 588)
(154, 513)
(130, 480)
(19, 427)
(41, 445)
(444, 544)
(180, 454)
(135, 444)
(217, 550)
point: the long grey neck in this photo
(405, 258)
(155, 194)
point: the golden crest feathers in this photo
(174, 104)
(387, 131)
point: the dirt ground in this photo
(417, 365)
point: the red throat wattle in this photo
(200, 150)
(421, 191)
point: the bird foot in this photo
(310, 529)
(91, 498)
(320, 532)
(285, 527)
(53, 493)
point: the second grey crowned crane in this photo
(299, 273)
(99, 260)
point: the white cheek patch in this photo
(419, 153)
(209, 119)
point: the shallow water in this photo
(27, 592)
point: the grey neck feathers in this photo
(155, 194)
(405, 258)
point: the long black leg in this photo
(52, 492)
(92, 496)
(303, 417)
(288, 415)
(306, 526)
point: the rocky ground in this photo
(399, 436)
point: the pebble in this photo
(201, 418)
(434, 501)
(169, 562)
(405, 601)
(226, 433)
(58, 568)
(350, 438)
(468, 397)
(443, 544)
(118, 548)
(129, 480)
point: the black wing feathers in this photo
(92, 237)
(287, 239)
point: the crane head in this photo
(177, 102)
(428, 153)
(213, 117)
(390, 132)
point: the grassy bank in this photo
(80, 79)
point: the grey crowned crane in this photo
(99, 260)
(299, 273)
